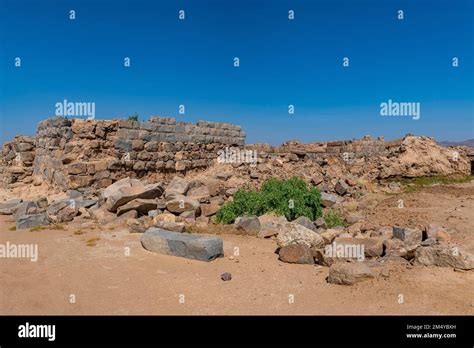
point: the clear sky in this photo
(282, 62)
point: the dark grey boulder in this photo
(191, 246)
(30, 221)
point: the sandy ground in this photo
(104, 280)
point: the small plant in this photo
(13, 228)
(133, 117)
(79, 232)
(92, 241)
(334, 219)
(290, 198)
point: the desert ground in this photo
(105, 280)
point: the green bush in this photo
(333, 219)
(133, 117)
(290, 198)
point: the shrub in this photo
(290, 198)
(133, 117)
(333, 219)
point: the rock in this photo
(373, 247)
(198, 247)
(180, 204)
(124, 195)
(73, 194)
(248, 224)
(270, 224)
(329, 235)
(154, 212)
(291, 233)
(395, 247)
(10, 207)
(226, 276)
(30, 221)
(123, 183)
(199, 193)
(223, 175)
(62, 211)
(328, 199)
(139, 225)
(443, 236)
(24, 208)
(349, 273)
(428, 242)
(142, 206)
(170, 226)
(42, 203)
(444, 256)
(296, 253)
(320, 222)
(178, 185)
(164, 217)
(65, 215)
(411, 236)
(209, 209)
(304, 221)
(102, 215)
(341, 187)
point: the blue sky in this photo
(282, 62)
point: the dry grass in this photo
(79, 232)
(92, 241)
(13, 228)
(38, 228)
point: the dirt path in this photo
(105, 280)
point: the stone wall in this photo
(82, 153)
(16, 160)
(347, 150)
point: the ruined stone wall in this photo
(82, 153)
(16, 160)
(347, 150)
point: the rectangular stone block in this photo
(191, 246)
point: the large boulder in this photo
(291, 233)
(125, 194)
(296, 253)
(30, 221)
(191, 246)
(178, 185)
(444, 256)
(123, 183)
(10, 207)
(348, 273)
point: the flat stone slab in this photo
(191, 246)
